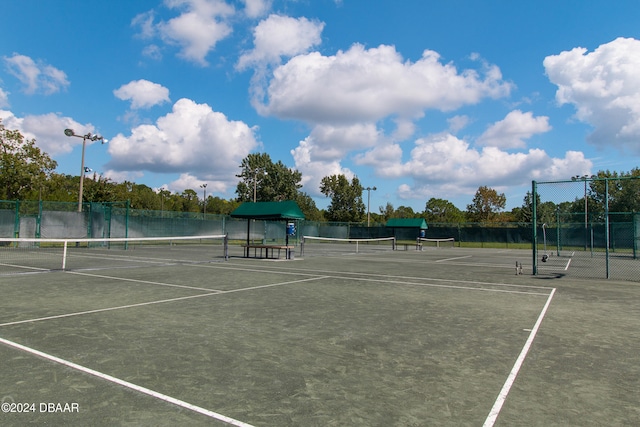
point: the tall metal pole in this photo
(606, 225)
(204, 198)
(255, 184)
(255, 181)
(368, 203)
(84, 143)
(534, 229)
(90, 137)
(586, 226)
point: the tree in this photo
(545, 211)
(99, 189)
(60, 188)
(405, 212)
(387, 211)
(440, 210)
(217, 205)
(346, 198)
(270, 181)
(190, 201)
(24, 167)
(624, 193)
(486, 204)
(308, 207)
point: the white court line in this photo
(127, 384)
(502, 396)
(567, 266)
(37, 269)
(434, 285)
(80, 313)
(147, 282)
(343, 275)
(451, 259)
(468, 264)
(99, 310)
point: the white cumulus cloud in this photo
(256, 8)
(445, 164)
(191, 139)
(279, 36)
(369, 84)
(348, 97)
(514, 129)
(142, 93)
(200, 25)
(37, 77)
(604, 87)
(48, 131)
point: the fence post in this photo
(39, 220)
(634, 220)
(534, 233)
(558, 231)
(16, 222)
(606, 223)
(126, 223)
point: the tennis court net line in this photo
(425, 242)
(326, 246)
(19, 255)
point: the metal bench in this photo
(267, 248)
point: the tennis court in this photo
(439, 336)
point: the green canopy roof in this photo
(287, 209)
(407, 223)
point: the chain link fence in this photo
(577, 234)
(573, 230)
(100, 220)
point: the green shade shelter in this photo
(274, 211)
(287, 209)
(407, 228)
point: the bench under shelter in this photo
(286, 210)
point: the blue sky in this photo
(418, 98)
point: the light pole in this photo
(255, 181)
(368, 203)
(205, 197)
(90, 137)
(586, 226)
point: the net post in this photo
(64, 255)
(226, 247)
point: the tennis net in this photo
(327, 246)
(20, 255)
(448, 242)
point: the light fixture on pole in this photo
(90, 137)
(368, 203)
(204, 186)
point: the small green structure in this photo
(286, 210)
(407, 228)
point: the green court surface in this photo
(438, 337)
